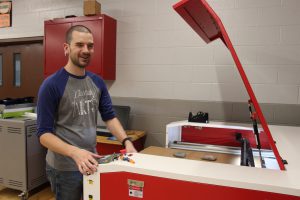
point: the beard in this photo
(81, 61)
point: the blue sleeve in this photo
(105, 104)
(47, 103)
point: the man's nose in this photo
(85, 49)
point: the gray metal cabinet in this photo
(22, 158)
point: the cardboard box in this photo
(5, 13)
(91, 7)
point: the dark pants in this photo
(67, 185)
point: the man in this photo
(68, 102)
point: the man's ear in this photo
(66, 49)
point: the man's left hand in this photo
(129, 147)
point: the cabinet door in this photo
(35, 159)
(54, 51)
(96, 28)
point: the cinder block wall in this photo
(164, 70)
(29, 15)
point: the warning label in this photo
(135, 188)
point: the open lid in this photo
(201, 17)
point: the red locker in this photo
(104, 29)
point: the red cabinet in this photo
(104, 30)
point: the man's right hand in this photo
(85, 160)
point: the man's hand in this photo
(129, 147)
(85, 160)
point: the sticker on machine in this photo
(135, 188)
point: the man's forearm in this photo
(115, 127)
(55, 144)
(117, 130)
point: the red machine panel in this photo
(103, 29)
(221, 136)
(164, 188)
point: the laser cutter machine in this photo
(254, 167)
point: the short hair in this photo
(79, 28)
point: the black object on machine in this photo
(200, 117)
(253, 117)
(246, 151)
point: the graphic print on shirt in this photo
(84, 102)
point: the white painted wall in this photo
(29, 15)
(159, 56)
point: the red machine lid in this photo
(202, 18)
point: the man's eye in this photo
(90, 46)
(79, 45)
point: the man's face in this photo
(81, 48)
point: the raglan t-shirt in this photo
(68, 106)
